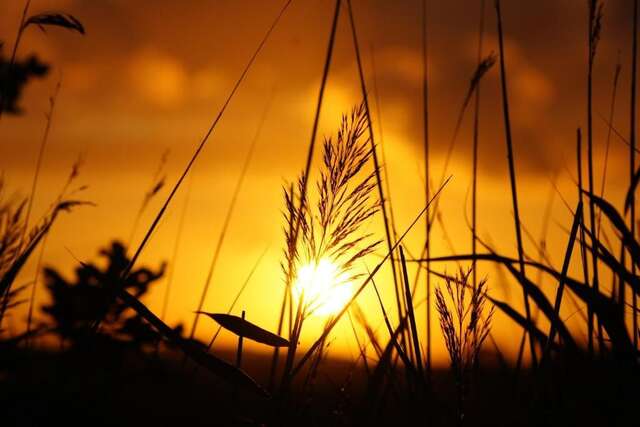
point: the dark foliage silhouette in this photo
(13, 79)
(75, 302)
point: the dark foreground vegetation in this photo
(124, 387)
(97, 355)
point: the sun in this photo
(326, 289)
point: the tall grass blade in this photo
(565, 268)
(410, 312)
(632, 161)
(512, 174)
(376, 164)
(427, 174)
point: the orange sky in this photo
(150, 76)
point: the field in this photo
(447, 236)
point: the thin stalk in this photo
(385, 168)
(476, 136)
(632, 142)
(32, 297)
(563, 275)
(227, 219)
(176, 251)
(194, 157)
(583, 250)
(237, 297)
(512, 177)
(592, 209)
(427, 171)
(616, 76)
(239, 350)
(362, 349)
(412, 317)
(34, 186)
(374, 156)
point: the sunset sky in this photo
(151, 76)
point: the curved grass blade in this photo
(632, 189)
(63, 20)
(7, 280)
(207, 360)
(616, 219)
(531, 328)
(244, 328)
(565, 268)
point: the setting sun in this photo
(326, 289)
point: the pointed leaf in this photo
(246, 329)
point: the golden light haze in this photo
(150, 76)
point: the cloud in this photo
(159, 78)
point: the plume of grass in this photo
(291, 234)
(334, 321)
(16, 245)
(512, 174)
(606, 310)
(465, 325)
(26, 247)
(331, 230)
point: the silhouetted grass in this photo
(328, 221)
(512, 174)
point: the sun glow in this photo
(326, 290)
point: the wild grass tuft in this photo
(465, 325)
